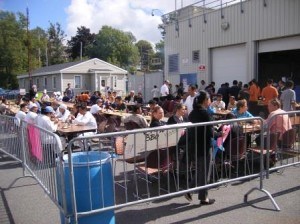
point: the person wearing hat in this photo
(34, 100)
(97, 107)
(58, 96)
(45, 120)
(45, 97)
(63, 113)
(32, 113)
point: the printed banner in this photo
(144, 142)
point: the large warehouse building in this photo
(238, 40)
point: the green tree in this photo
(12, 48)
(83, 38)
(146, 54)
(56, 49)
(38, 47)
(160, 54)
(114, 46)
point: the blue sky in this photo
(127, 15)
(41, 12)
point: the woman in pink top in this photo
(277, 123)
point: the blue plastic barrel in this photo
(93, 183)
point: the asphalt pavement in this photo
(22, 200)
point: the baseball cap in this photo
(63, 106)
(32, 105)
(49, 109)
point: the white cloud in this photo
(126, 15)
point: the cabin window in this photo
(77, 81)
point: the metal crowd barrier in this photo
(97, 174)
(10, 137)
(37, 149)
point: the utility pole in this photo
(80, 50)
(28, 49)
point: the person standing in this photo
(69, 91)
(224, 90)
(33, 91)
(164, 90)
(281, 87)
(269, 92)
(234, 89)
(288, 96)
(202, 85)
(190, 99)
(244, 93)
(155, 93)
(201, 155)
(254, 92)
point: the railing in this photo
(199, 8)
(148, 164)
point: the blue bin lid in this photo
(89, 158)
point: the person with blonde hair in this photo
(157, 116)
(241, 110)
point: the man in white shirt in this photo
(190, 99)
(63, 113)
(155, 93)
(32, 113)
(96, 107)
(84, 117)
(164, 90)
(50, 148)
(21, 114)
(44, 120)
(218, 103)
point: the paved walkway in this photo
(23, 201)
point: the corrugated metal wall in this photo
(257, 22)
(138, 83)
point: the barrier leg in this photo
(264, 191)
